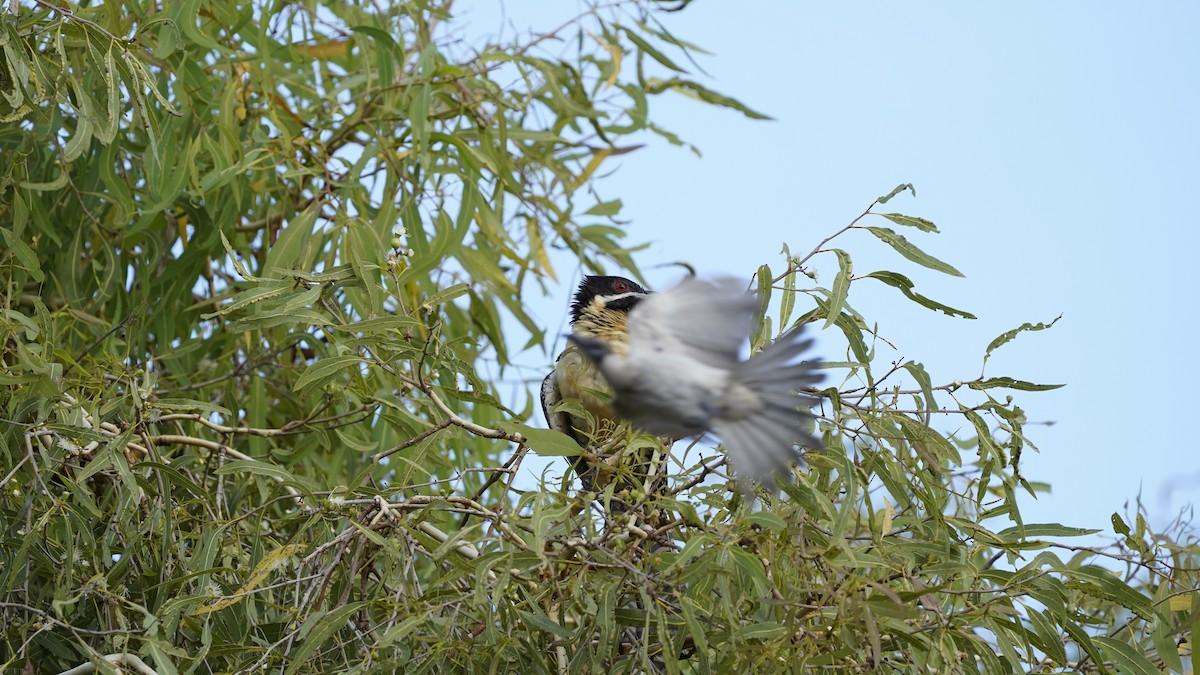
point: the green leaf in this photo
(544, 623)
(1082, 639)
(192, 405)
(700, 92)
(1112, 588)
(841, 286)
(765, 630)
(609, 208)
(25, 256)
(256, 467)
(903, 283)
(323, 370)
(1010, 383)
(1051, 643)
(1008, 336)
(787, 302)
(395, 325)
(445, 295)
(317, 633)
(922, 378)
(909, 250)
(1044, 530)
(897, 190)
(1125, 657)
(910, 221)
(762, 333)
(768, 520)
(647, 48)
(52, 185)
(545, 442)
(1119, 524)
(265, 291)
(288, 249)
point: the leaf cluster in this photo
(265, 271)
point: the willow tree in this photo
(260, 263)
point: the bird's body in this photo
(679, 374)
(599, 312)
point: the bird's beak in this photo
(592, 348)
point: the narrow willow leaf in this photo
(854, 336)
(787, 302)
(922, 378)
(253, 466)
(449, 238)
(895, 191)
(1165, 644)
(268, 290)
(262, 570)
(237, 263)
(1119, 525)
(750, 566)
(768, 520)
(318, 632)
(56, 183)
(1115, 589)
(905, 286)
(760, 631)
(1046, 530)
(841, 286)
(1051, 643)
(910, 221)
(191, 405)
(24, 254)
(1181, 603)
(1193, 638)
(647, 48)
(909, 250)
(537, 248)
(700, 92)
(79, 141)
(1010, 383)
(445, 295)
(763, 333)
(545, 442)
(544, 624)
(286, 252)
(323, 370)
(609, 208)
(1126, 657)
(1008, 336)
(688, 608)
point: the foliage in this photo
(263, 264)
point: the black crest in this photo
(593, 286)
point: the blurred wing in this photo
(705, 320)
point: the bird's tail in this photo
(767, 416)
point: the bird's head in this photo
(601, 307)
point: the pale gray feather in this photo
(705, 320)
(681, 376)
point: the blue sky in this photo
(1054, 144)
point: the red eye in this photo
(620, 287)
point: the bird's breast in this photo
(579, 379)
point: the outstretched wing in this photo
(706, 320)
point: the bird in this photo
(677, 372)
(599, 311)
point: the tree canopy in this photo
(263, 264)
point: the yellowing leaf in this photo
(325, 50)
(264, 568)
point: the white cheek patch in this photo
(603, 300)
